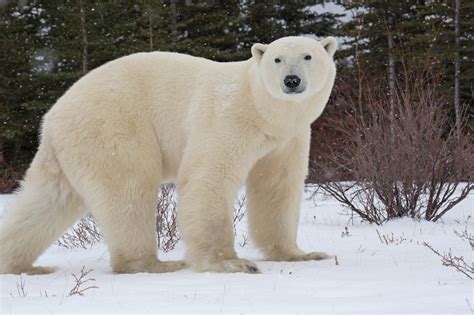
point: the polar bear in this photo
(152, 118)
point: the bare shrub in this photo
(345, 233)
(167, 228)
(239, 211)
(404, 159)
(239, 214)
(81, 280)
(9, 176)
(245, 241)
(456, 262)
(466, 236)
(166, 224)
(83, 235)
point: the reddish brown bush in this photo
(404, 159)
(166, 225)
(82, 235)
(85, 233)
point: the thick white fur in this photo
(150, 118)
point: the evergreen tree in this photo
(210, 29)
(422, 33)
(267, 21)
(25, 87)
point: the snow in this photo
(371, 278)
(334, 8)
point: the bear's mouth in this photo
(293, 91)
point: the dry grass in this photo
(388, 239)
(21, 287)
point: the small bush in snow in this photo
(401, 154)
(456, 262)
(85, 233)
(80, 282)
(82, 235)
(166, 225)
(239, 211)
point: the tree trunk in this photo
(391, 72)
(457, 109)
(150, 30)
(85, 43)
(360, 73)
(2, 158)
(174, 31)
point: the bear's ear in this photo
(258, 50)
(330, 44)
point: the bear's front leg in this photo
(274, 191)
(208, 182)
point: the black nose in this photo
(292, 81)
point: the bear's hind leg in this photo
(117, 169)
(45, 206)
(128, 222)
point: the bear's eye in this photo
(307, 57)
(277, 60)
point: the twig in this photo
(81, 280)
(465, 235)
(21, 288)
(448, 260)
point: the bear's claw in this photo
(230, 265)
(300, 257)
(253, 269)
(313, 256)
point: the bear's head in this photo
(295, 68)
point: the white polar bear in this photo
(151, 118)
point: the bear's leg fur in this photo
(116, 168)
(129, 226)
(274, 191)
(44, 207)
(123, 201)
(207, 188)
(205, 221)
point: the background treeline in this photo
(46, 45)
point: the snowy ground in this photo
(371, 278)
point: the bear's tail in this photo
(43, 208)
